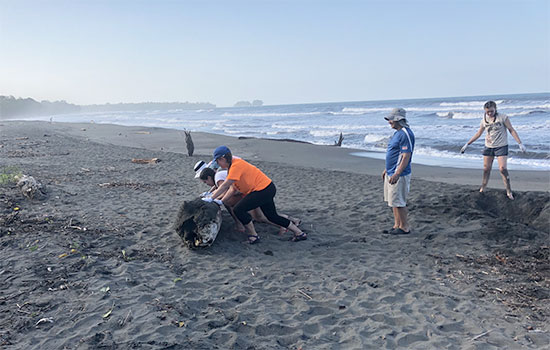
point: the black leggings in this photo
(264, 200)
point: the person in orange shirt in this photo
(258, 191)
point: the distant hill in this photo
(255, 103)
(19, 107)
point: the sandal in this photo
(390, 231)
(253, 239)
(399, 231)
(301, 237)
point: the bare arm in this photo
(405, 158)
(476, 135)
(223, 188)
(228, 194)
(513, 132)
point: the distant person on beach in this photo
(496, 144)
(258, 192)
(397, 174)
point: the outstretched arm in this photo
(473, 139)
(223, 188)
(476, 135)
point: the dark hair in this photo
(206, 172)
(490, 104)
(228, 157)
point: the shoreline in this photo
(285, 152)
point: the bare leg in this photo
(238, 226)
(403, 219)
(229, 204)
(502, 165)
(487, 166)
(258, 216)
(396, 218)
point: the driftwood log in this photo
(189, 143)
(198, 223)
(145, 161)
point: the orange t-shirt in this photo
(247, 177)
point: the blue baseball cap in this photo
(220, 152)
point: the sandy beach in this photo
(97, 265)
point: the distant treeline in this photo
(12, 107)
(147, 106)
(15, 107)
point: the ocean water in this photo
(441, 126)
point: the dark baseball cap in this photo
(220, 151)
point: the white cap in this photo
(199, 167)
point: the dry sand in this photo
(96, 265)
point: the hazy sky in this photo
(277, 51)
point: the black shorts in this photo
(495, 152)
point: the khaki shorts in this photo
(396, 194)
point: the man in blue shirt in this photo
(397, 175)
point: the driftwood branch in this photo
(189, 143)
(339, 142)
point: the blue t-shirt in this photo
(398, 144)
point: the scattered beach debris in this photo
(481, 335)
(145, 161)
(30, 188)
(132, 185)
(143, 132)
(108, 313)
(105, 289)
(198, 222)
(70, 225)
(304, 294)
(127, 318)
(42, 320)
(189, 143)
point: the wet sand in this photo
(96, 263)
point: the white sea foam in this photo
(464, 115)
(477, 104)
(289, 127)
(359, 110)
(324, 133)
(373, 138)
(519, 113)
(291, 114)
(527, 106)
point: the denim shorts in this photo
(496, 152)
